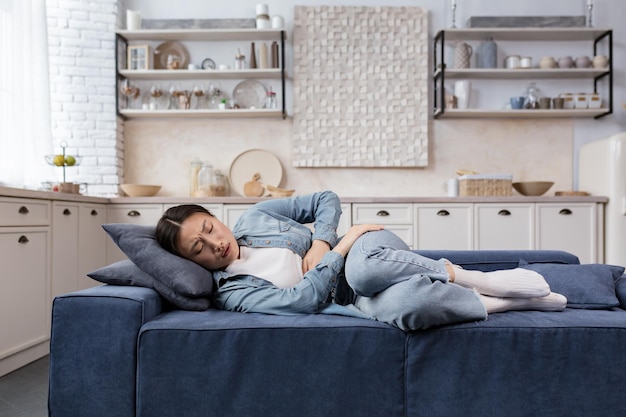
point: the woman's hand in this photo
(344, 245)
(314, 255)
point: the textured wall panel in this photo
(360, 87)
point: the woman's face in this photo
(206, 241)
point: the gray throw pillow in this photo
(127, 273)
(587, 286)
(140, 246)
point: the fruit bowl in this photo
(532, 188)
(140, 190)
(60, 160)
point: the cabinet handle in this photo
(134, 213)
(565, 212)
(23, 210)
(67, 212)
(504, 213)
(443, 213)
(94, 212)
(383, 213)
(23, 240)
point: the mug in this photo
(544, 103)
(557, 102)
(517, 103)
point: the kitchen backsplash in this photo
(159, 152)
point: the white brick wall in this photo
(81, 36)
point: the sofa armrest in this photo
(620, 291)
(491, 260)
(93, 347)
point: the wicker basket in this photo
(496, 185)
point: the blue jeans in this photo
(400, 287)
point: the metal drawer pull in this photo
(22, 239)
(67, 212)
(504, 213)
(443, 213)
(383, 213)
(565, 212)
(134, 213)
(94, 212)
(23, 210)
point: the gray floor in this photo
(24, 393)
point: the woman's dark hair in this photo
(170, 222)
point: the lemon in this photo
(58, 160)
(70, 160)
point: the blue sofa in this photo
(123, 351)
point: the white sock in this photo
(551, 302)
(509, 283)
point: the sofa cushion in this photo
(620, 290)
(590, 286)
(182, 276)
(126, 273)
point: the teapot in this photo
(462, 54)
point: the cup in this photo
(526, 62)
(192, 67)
(452, 187)
(462, 90)
(557, 102)
(133, 20)
(544, 103)
(517, 103)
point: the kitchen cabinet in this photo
(92, 240)
(444, 226)
(25, 284)
(572, 227)
(504, 226)
(397, 218)
(78, 245)
(232, 212)
(142, 214)
(215, 209)
(239, 38)
(594, 39)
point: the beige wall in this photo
(159, 152)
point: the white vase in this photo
(462, 91)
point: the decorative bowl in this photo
(140, 190)
(532, 188)
(279, 192)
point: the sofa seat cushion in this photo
(223, 363)
(570, 363)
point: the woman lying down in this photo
(272, 263)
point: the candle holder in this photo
(63, 160)
(589, 14)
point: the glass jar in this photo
(218, 184)
(270, 100)
(532, 97)
(204, 180)
(240, 61)
(194, 169)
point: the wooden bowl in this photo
(140, 190)
(279, 192)
(532, 188)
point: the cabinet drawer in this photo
(147, 214)
(24, 212)
(444, 226)
(504, 226)
(382, 213)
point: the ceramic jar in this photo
(583, 62)
(600, 61)
(462, 55)
(547, 62)
(512, 62)
(488, 54)
(526, 62)
(566, 62)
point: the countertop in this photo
(48, 195)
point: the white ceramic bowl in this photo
(140, 190)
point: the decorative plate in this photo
(250, 94)
(164, 50)
(253, 161)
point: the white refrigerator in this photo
(602, 172)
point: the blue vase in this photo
(488, 54)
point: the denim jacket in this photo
(281, 223)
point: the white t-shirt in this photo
(280, 266)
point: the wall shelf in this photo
(199, 114)
(442, 72)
